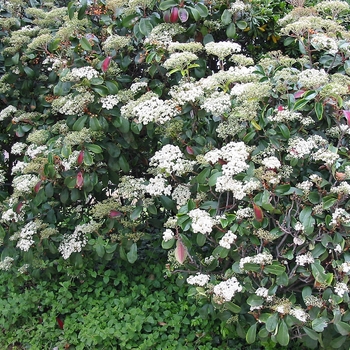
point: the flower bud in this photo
(258, 213)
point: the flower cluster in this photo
(202, 222)
(198, 280)
(225, 290)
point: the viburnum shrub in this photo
(126, 120)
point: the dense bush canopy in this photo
(218, 130)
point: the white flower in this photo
(227, 239)
(168, 235)
(202, 222)
(227, 289)
(6, 112)
(84, 72)
(341, 288)
(18, 148)
(110, 101)
(345, 267)
(304, 259)
(25, 183)
(198, 280)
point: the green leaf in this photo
(328, 202)
(136, 213)
(213, 178)
(272, 322)
(94, 124)
(231, 32)
(319, 110)
(85, 44)
(319, 273)
(251, 334)
(282, 336)
(226, 17)
(311, 333)
(124, 165)
(242, 25)
(30, 72)
(145, 26)
(342, 328)
(203, 176)
(233, 307)
(112, 87)
(169, 244)
(80, 123)
(284, 131)
(94, 148)
(201, 239)
(307, 220)
(100, 250)
(195, 13)
(275, 269)
(164, 5)
(71, 9)
(202, 10)
(130, 20)
(101, 90)
(300, 104)
(132, 254)
(88, 160)
(319, 324)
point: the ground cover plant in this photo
(217, 130)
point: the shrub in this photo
(141, 117)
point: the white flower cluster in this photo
(198, 280)
(6, 264)
(222, 49)
(341, 288)
(345, 267)
(71, 162)
(186, 92)
(83, 72)
(340, 216)
(72, 104)
(154, 110)
(321, 41)
(18, 148)
(130, 188)
(137, 86)
(298, 147)
(299, 314)
(110, 101)
(202, 222)
(179, 60)
(25, 183)
(227, 289)
(326, 156)
(10, 215)
(239, 6)
(305, 186)
(33, 150)
(77, 240)
(168, 235)
(271, 162)
(217, 104)
(169, 160)
(158, 186)
(6, 112)
(312, 78)
(228, 238)
(264, 258)
(304, 259)
(343, 188)
(181, 195)
(244, 213)
(26, 236)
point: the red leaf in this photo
(347, 116)
(19, 207)
(258, 213)
(114, 213)
(37, 187)
(280, 108)
(80, 180)
(60, 323)
(180, 252)
(189, 150)
(299, 93)
(166, 16)
(174, 15)
(183, 15)
(80, 157)
(105, 63)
